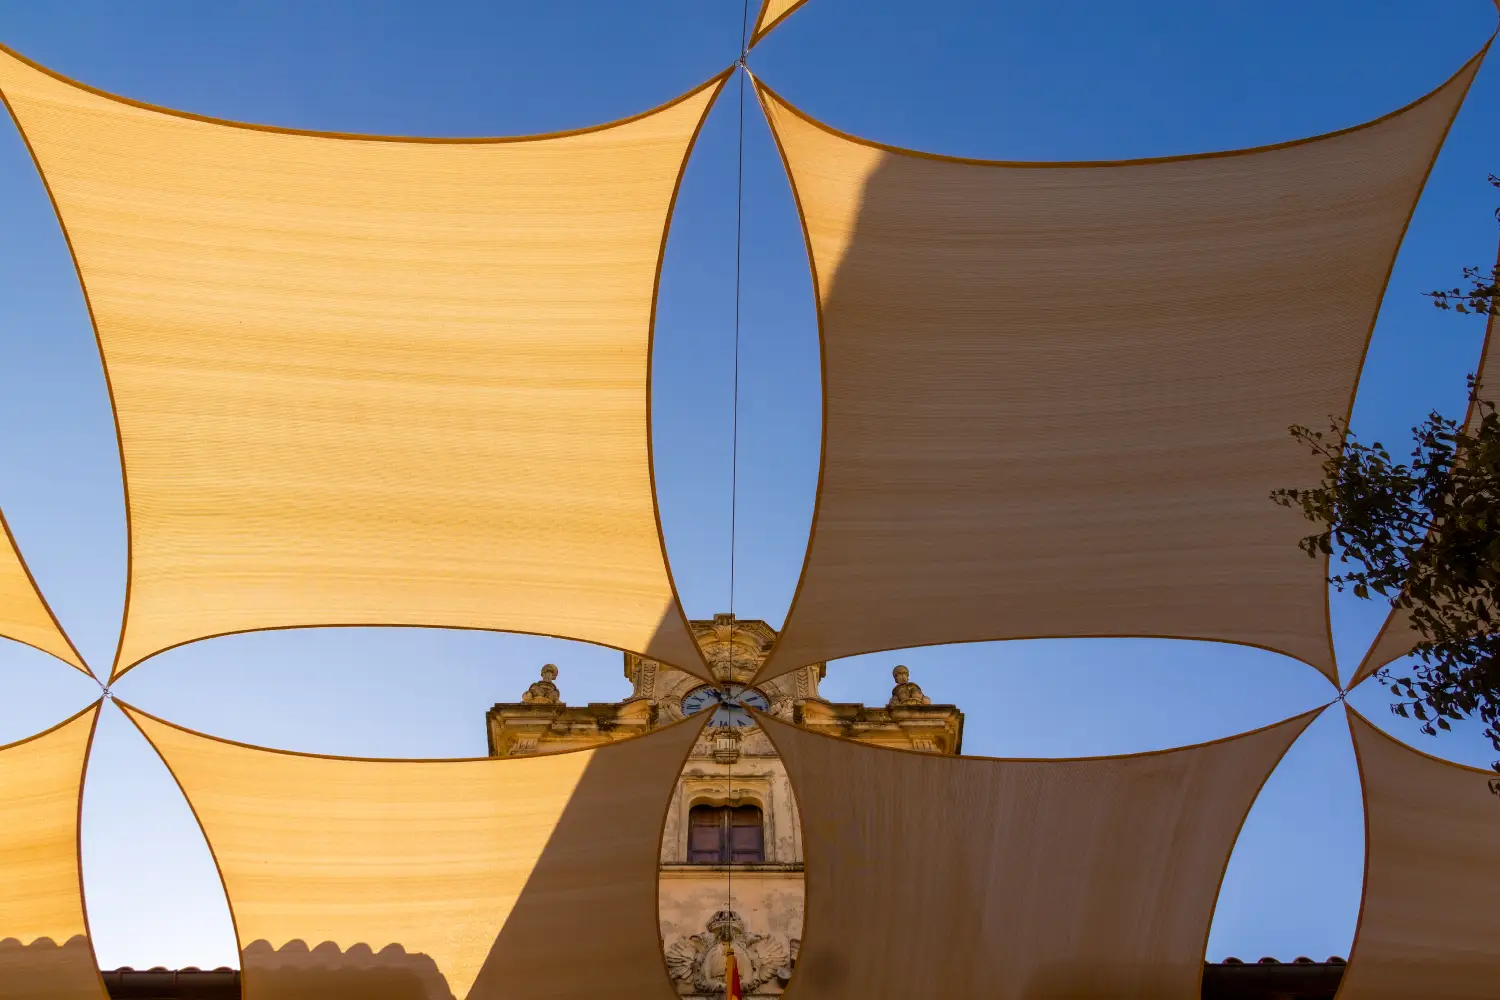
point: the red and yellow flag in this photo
(732, 989)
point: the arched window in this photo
(719, 835)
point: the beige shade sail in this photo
(1428, 926)
(1399, 635)
(1056, 396)
(421, 880)
(939, 876)
(772, 13)
(45, 952)
(24, 614)
(374, 381)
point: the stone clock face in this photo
(727, 711)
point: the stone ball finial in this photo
(901, 674)
(549, 671)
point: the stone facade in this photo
(755, 905)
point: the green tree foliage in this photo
(1483, 294)
(1423, 534)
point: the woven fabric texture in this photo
(1428, 926)
(24, 615)
(374, 382)
(1056, 397)
(44, 947)
(489, 878)
(957, 877)
(772, 13)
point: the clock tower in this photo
(733, 811)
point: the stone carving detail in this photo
(905, 692)
(699, 959)
(671, 686)
(725, 741)
(781, 699)
(734, 648)
(544, 692)
(522, 746)
(645, 681)
(754, 743)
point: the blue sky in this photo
(1064, 79)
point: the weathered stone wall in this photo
(758, 778)
(762, 914)
(766, 898)
(769, 906)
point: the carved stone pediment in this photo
(699, 958)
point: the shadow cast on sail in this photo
(46, 970)
(1056, 395)
(296, 972)
(585, 923)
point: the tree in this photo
(1424, 535)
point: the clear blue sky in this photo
(1054, 80)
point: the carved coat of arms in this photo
(699, 959)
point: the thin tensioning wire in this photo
(734, 442)
(739, 242)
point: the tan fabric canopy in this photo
(1399, 635)
(45, 952)
(24, 614)
(532, 877)
(965, 877)
(772, 13)
(1056, 396)
(365, 381)
(1429, 926)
